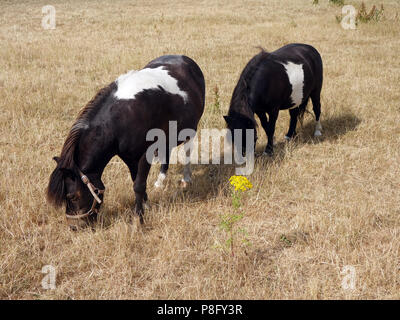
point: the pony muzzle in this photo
(81, 220)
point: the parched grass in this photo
(318, 206)
(373, 15)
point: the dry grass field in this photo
(318, 206)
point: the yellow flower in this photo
(240, 183)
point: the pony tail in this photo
(56, 188)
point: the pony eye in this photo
(72, 196)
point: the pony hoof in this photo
(294, 135)
(158, 185)
(317, 133)
(160, 181)
(184, 184)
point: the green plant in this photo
(364, 16)
(229, 222)
(285, 240)
(373, 15)
(337, 2)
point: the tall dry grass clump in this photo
(373, 15)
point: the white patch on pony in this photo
(296, 78)
(160, 180)
(134, 82)
(318, 129)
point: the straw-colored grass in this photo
(318, 206)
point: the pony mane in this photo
(241, 91)
(56, 192)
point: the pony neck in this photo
(242, 110)
(240, 101)
(93, 156)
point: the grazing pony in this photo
(283, 79)
(116, 122)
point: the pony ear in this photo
(249, 123)
(65, 171)
(228, 119)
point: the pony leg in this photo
(163, 173)
(294, 113)
(264, 121)
(315, 97)
(269, 149)
(187, 172)
(133, 168)
(161, 176)
(140, 185)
